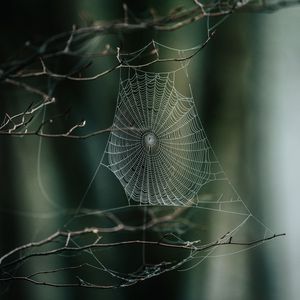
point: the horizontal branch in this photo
(68, 134)
(28, 88)
(80, 283)
(97, 245)
(60, 44)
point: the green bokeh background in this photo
(246, 87)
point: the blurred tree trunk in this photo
(229, 80)
(228, 114)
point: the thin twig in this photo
(28, 88)
(96, 245)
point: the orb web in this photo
(157, 147)
(182, 208)
(159, 152)
(179, 196)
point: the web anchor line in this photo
(159, 152)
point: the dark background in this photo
(246, 85)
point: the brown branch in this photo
(28, 88)
(110, 28)
(191, 246)
(96, 245)
(173, 21)
(66, 134)
(80, 283)
(95, 230)
(47, 72)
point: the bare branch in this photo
(190, 246)
(28, 88)
(175, 20)
(88, 240)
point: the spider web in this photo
(157, 147)
(161, 156)
(173, 169)
(175, 186)
(181, 207)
